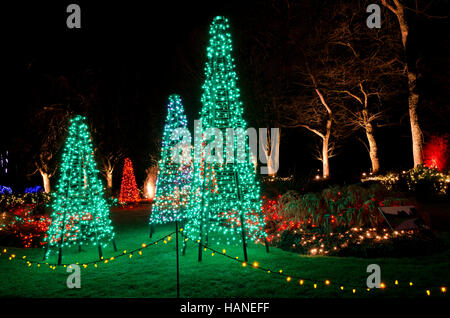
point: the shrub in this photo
(10, 201)
(334, 209)
(24, 225)
(427, 182)
(423, 182)
(5, 190)
(24, 218)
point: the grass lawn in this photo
(153, 274)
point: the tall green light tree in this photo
(80, 213)
(225, 203)
(175, 168)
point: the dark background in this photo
(129, 56)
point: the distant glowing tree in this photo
(225, 203)
(435, 153)
(80, 213)
(174, 176)
(128, 189)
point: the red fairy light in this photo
(128, 189)
(28, 228)
(435, 152)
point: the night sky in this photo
(129, 56)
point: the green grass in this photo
(153, 274)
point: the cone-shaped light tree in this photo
(128, 188)
(175, 167)
(80, 213)
(225, 204)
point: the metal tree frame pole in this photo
(152, 229)
(184, 246)
(64, 228)
(45, 252)
(200, 248)
(244, 241)
(62, 238)
(100, 253)
(178, 261)
(114, 245)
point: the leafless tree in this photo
(264, 59)
(351, 71)
(400, 9)
(110, 142)
(50, 125)
(316, 112)
(366, 71)
(109, 161)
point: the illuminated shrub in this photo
(24, 219)
(5, 190)
(427, 182)
(435, 153)
(335, 209)
(424, 182)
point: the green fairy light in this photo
(225, 197)
(80, 213)
(174, 176)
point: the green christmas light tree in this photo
(175, 169)
(225, 204)
(80, 213)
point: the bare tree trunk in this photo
(46, 181)
(417, 142)
(108, 168)
(416, 132)
(326, 150)
(325, 163)
(272, 165)
(373, 149)
(109, 179)
(324, 155)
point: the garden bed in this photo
(358, 242)
(345, 221)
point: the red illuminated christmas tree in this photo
(435, 152)
(128, 189)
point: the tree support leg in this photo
(152, 229)
(60, 256)
(184, 247)
(114, 245)
(244, 243)
(178, 262)
(200, 251)
(100, 254)
(45, 253)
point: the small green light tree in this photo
(80, 213)
(175, 173)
